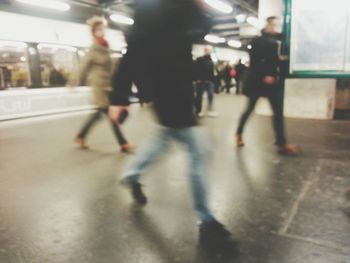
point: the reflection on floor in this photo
(60, 204)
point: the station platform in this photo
(59, 204)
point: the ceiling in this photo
(225, 25)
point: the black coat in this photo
(159, 59)
(264, 61)
(204, 69)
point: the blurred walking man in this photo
(159, 61)
(264, 81)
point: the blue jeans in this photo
(205, 86)
(194, 139)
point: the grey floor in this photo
(60, 204)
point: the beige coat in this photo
(96, 71)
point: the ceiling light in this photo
(241, 18)
(249, 46)
(220, 6)
(51, 4)
(214, 39)
(234, 43)
(122, 19)
(255, 22)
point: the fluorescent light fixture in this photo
(51, 4)
(124, 50)
(249, 46)
(241, 18)
(255, 22)
(56, 47)
(234, 43)
(122, 19)
(214, 39)
(220, 6)
(13, 44)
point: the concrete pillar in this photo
(304, 98)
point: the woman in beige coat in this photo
(96, 71)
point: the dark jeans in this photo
(238, 86)
(228, 85)
(205, 86)
(94, 118)
(278, 119)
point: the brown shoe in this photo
(127, 148)
(239, 140)
(289, 149)
(82, 143)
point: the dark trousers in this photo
(238, 86)
(94, 118)
(205, 86)
(278, 119)
(228, 85)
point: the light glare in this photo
(121, 19)
(234, 43)
(220, 6)
(51, 4)
(255, 22)
(214, 39)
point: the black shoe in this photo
(215, 237)
(213, 229)
(137, 194)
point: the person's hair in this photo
(270, 19)
(95, 21)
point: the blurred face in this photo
(207, 50)
(99, 31)
(271, 27)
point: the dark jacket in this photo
(57, 78)
(240, 69)
(159, 59)
(204, 69)
(264, 61)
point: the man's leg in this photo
(196, 141)
(249, 109)
(150, 151)
(237, 85)
(147, 154)
(278, 119)
(210, 91)
(90, 122)
(212, 234)
(117, 131)
(199, 97)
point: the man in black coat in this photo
(159, 62)
(204, 70)
(240, 69)
(264, 81)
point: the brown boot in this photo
(239, 140)
(289, 149)
(82, 143)
(127, 148)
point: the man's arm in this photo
(121, 87)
